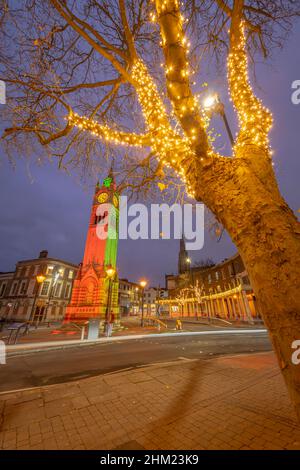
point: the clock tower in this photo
(95, 293)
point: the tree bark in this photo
(267, 235)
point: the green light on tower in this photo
(107, 182)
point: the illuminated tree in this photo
(84, 63)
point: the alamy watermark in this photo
(2, 92)
(2, 353)
(157, 221)
(296, 354)
(295, 97)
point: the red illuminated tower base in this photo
(95, 290)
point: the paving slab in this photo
(232, 402)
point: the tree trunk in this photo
(270, 248)
(267, 235)
(275, 276)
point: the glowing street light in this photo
(209, 101)
(213, 104)
(39, 280)
(110, 271)
(143, 284)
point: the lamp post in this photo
(51, 293)
(213, 104)
(39, 280)
(189, 261)
(137, 300)
(110, 272)
(143, 285)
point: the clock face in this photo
(102, 198)
(116, 201)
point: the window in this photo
(58, 289)
(45, 288)
(209, 278)
(217, 275)
(67, 291)
(27, 271)
(2, 289)
(22, 289)
(14, 288)
(100, 218)
(71, 274)
(50, 269)
(61, 272)
(31, 287)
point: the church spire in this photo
(183, 265)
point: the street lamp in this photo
(51, 293)
(39, 280)
(213, 104)
(189, 263)
(136, 300)
(110, 272)
(143, 284)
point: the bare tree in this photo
(75, 68)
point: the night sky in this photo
(43, 208)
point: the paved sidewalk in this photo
(237, 402)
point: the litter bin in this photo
(93, 329)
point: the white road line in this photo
(47, 346)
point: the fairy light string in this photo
(255, 120)
(169, 146)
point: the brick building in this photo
(22, 298)
(152, 301)
(129, 298)
(222, 290)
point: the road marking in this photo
(31, 348)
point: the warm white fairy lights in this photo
(169, 146)
(107, 133)
(255, 120)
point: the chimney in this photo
(43, 254)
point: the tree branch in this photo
(117, 65)
(254, 119)
(127, 31)
(109, 134)
(174, 46)
(38, 132)
(228, 12)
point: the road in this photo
(58, 366)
